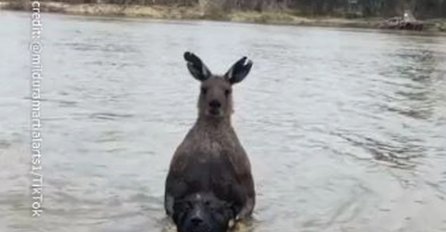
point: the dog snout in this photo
(196, 221)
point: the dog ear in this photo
(179, 211)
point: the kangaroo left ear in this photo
(196, 67)
(239, 70)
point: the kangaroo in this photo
(209, 183)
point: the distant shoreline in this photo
(196, 13)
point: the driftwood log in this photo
(407, 22)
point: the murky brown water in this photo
(346, 129)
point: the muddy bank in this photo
(159, 12)
(192, 13)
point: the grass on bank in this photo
(192, 13)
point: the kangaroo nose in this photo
(215, 104)
(196, 221)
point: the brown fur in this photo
(211, 158)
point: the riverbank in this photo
(196, 13)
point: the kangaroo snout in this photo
(214, 104)
(215, 108)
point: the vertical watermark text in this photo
(36, 136)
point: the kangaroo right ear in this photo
(196, 67)
(239, 70)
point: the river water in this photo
(345, 128)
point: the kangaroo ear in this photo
(196, 67)
(239, 70)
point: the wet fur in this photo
(211, 159)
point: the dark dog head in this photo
(202, 213)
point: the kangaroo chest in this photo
(213, 147)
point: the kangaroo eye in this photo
(204, 90)
(227, 92)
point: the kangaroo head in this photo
(215, 99)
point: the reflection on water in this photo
(345, 128)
